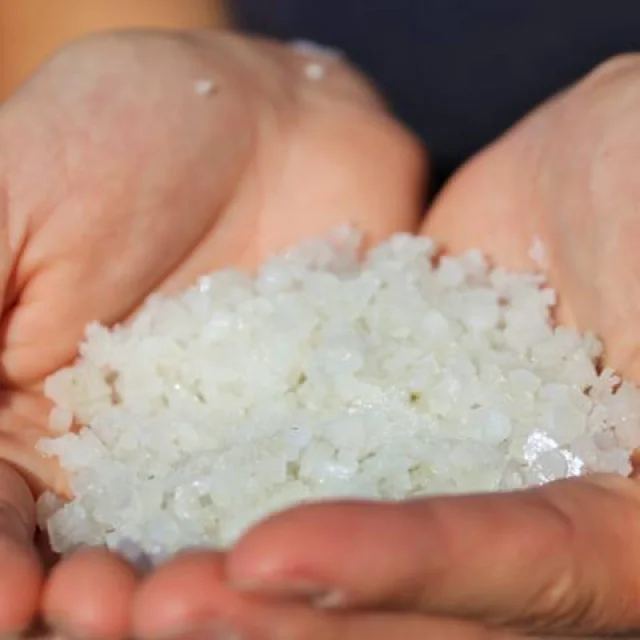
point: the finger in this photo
(427, 554)
(266, 619)
(298, 623)
(90, 595)
(21, 572)
(184, 595)
(189, 597)
(555, 558)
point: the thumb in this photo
(552, 560)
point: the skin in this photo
(117, 180)
(226, 179)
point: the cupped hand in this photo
(563, 559)
(566, 175)
(133, 163)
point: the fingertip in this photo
(185, 593)
(90, 595)
(302, 544)
(271, 548)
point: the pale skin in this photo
(116, 180)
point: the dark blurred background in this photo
(459, 72)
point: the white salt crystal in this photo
(616, 461)
(563, 422)
(393, 377)
(538, 253)
(314, 71)
(549, 466)
(523, 381)
(552, 465)
(205, 87)
(496, 426)
(450, 272)
(474, 264)
(60, 419)
(538, 443)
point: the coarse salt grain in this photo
(326, 375)
(538, 253)
(60, 419)
(205, 87)
(314, 71)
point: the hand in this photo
(551, 561)
(116, 180)
(566, 174)
(562, 559)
